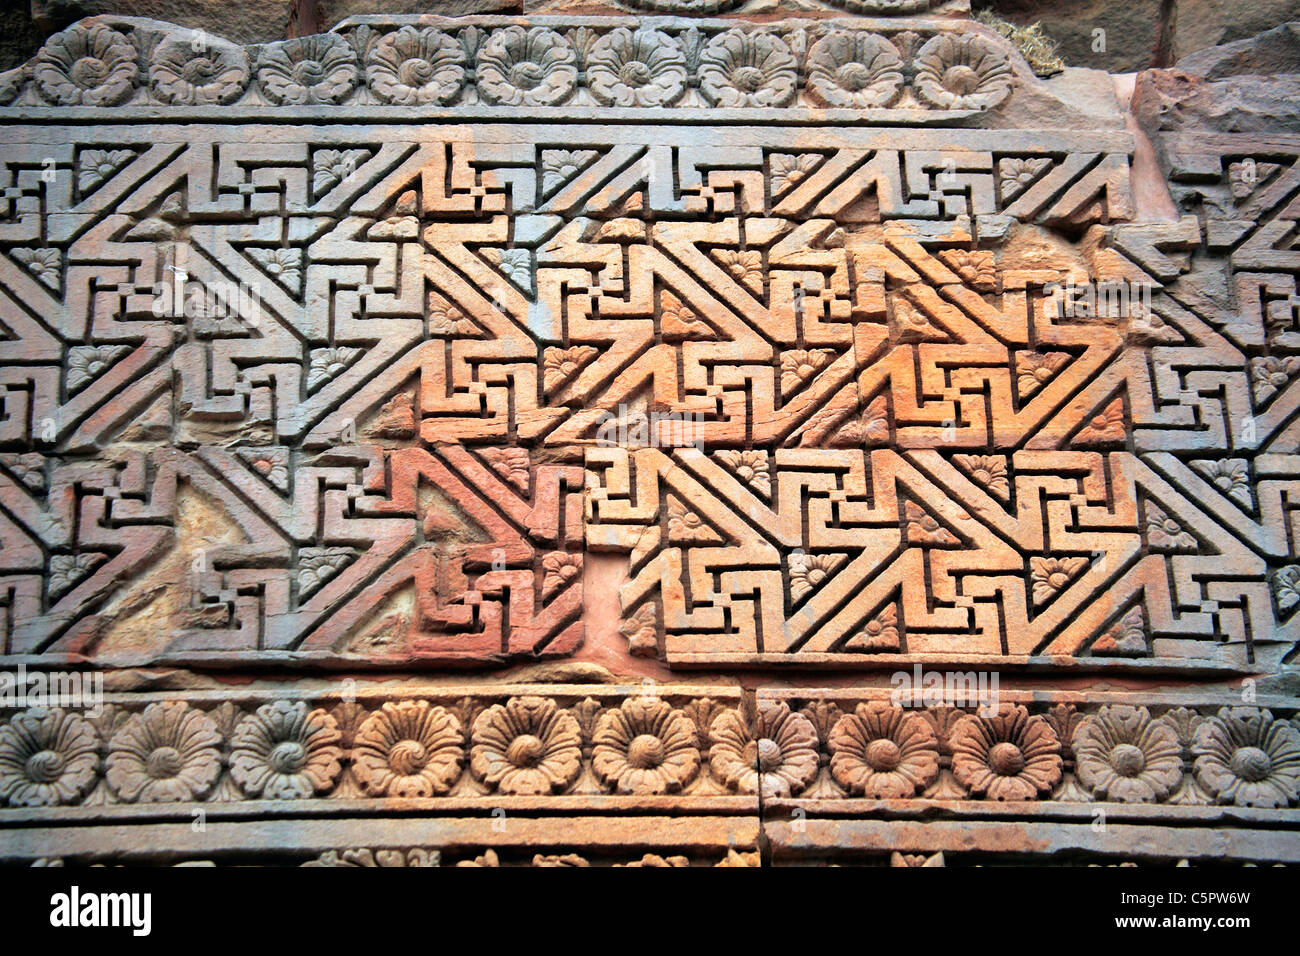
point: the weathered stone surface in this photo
(335, 11)
(1243, 87)
(19, 36)
(1174, 100)
(1133, 28)
(758, 9)
(1206, 23)
(1129, 29)
(1269, 53)
(257, 22)
(654, 841)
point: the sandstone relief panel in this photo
(840, 344)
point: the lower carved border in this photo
(650, 774)
(513, 841)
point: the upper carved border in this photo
(930, 72)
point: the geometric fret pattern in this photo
(348, 392)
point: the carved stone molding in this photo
(931, 72)
(873, 765)
(483, 841)
(598, 748)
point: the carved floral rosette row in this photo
(497, 62)
(536, 745)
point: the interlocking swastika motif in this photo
(875, 432)
(402, 554)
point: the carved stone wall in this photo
(638, 440)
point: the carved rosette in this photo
(748, 69)
(636, 68)
(698, 8)
(775, 754)
(1122, 754)
(855, 70)
(645, 746)
(285, 751)
(526, 746)
(527, 67)
(308, 71)
(47, 758)
(90, 64)
(1007, 756)
(959, 72)
(184, 72)
(413, 67)
(882, 751)
(408, 749)
(1245, 756)
(169, 752)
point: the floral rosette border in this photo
(540, 744)
(915, 72)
